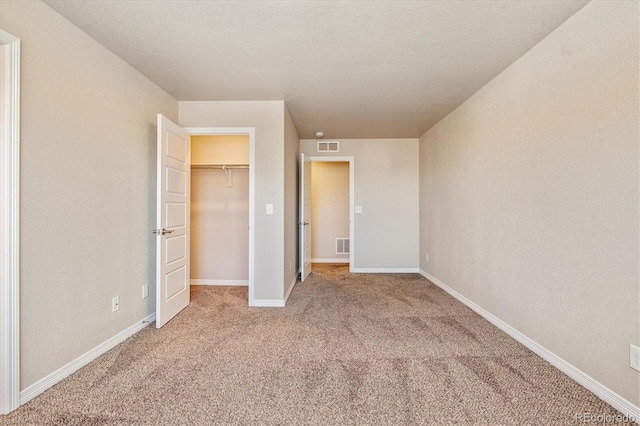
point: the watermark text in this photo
(590, 418)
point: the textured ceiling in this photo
(353, 69)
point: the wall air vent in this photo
(328, 146)
(342, 246)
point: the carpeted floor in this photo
(348, 349)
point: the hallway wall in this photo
(386, 187)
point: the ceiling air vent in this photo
(328, 146)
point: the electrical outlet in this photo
(427, 257)
(115, 304)
(634, 357)
(145, 291)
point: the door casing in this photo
(251, 132)
(10, 228)
(352, 162)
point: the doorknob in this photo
(162, 231)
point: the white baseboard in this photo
(346, 260)
(274, 303)
(62, 373)
(601, 391)
(219, 282)
(385, 270)
(293, 283)
(266, 303)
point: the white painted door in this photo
(305, 217)
(172, 230)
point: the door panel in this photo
(175, 282)
(172, 240)
(176, 147)
(176, 215)
(176, 248)
(176, 181)
(305, 217)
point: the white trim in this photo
(330, 260)
(293, 284)
(601, 391)
(266, 303)
(10, 231)
(62, 373)
(352, 194)
(251, 131)
(385, 270)
(219, 282)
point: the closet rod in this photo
(220, 166)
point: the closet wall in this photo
(219, 210)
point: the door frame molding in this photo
(251, 132)
(352, 163)
(10, 230)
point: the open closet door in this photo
(172, 230)
(305, 217)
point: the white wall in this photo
(219, 212)
(267, 117)
(88, 141)
(329, 209)
(529, 195)
(386, 186)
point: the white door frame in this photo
(10, 229)
(251, 132)
(352, 162)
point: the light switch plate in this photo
(358, 209)
(269, 208)
(634, 357)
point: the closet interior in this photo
(220, 210)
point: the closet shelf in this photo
(219, 166)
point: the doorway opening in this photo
(335, 230)
(222, 160)
(330, 212)
(219, 210)
(173, 211)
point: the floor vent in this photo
(342, 246)
(328, 146)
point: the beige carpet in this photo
(348, 349)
